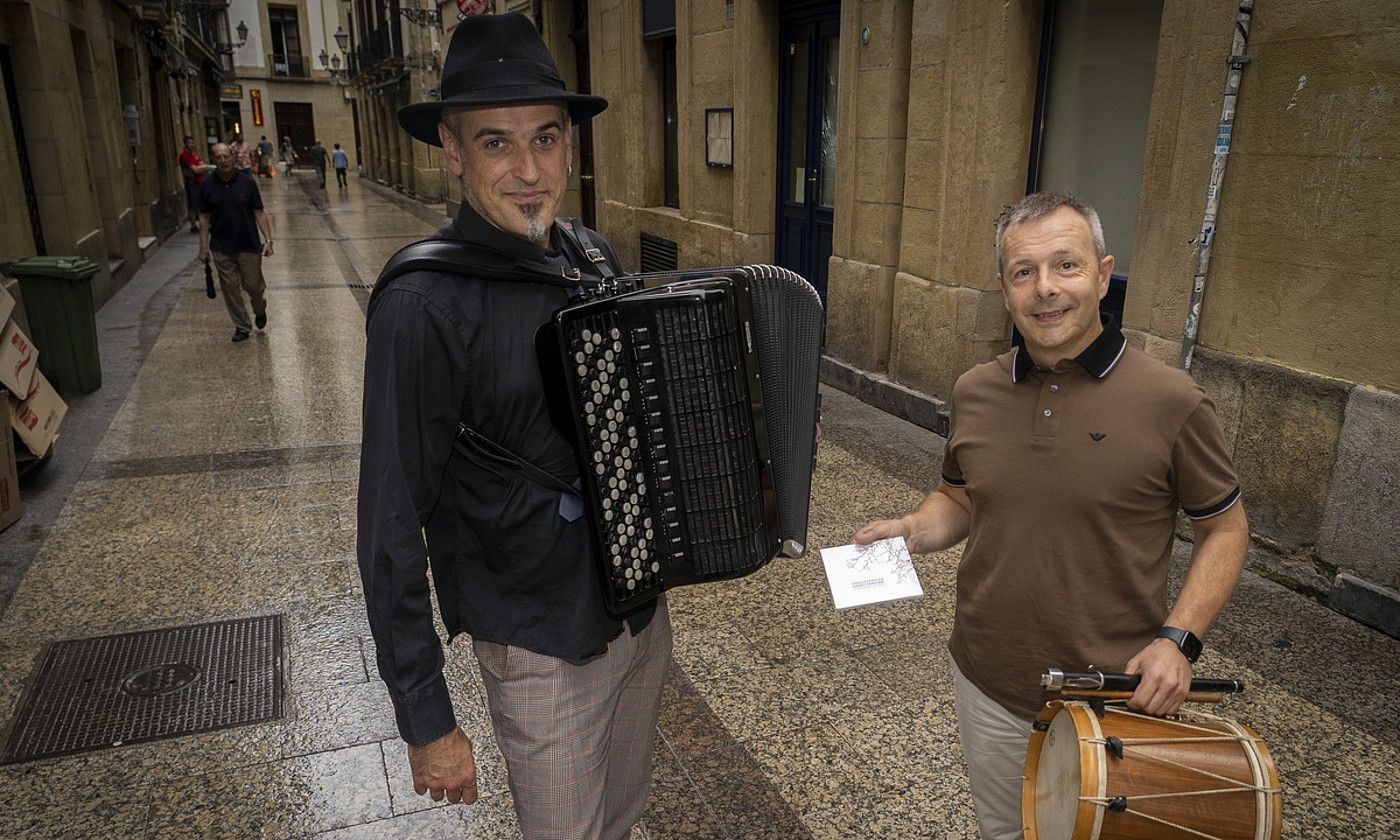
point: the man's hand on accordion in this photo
(445, 768)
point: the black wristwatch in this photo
(1185, 641)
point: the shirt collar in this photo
(470, 225)
(1097, 359)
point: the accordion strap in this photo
(575, 235)
(473, 439)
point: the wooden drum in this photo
(1131, 775)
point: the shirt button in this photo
(1047, 412)
(1054, 387)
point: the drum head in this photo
(1057, 780)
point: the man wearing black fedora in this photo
(573, 691)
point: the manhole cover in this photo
(94, 693)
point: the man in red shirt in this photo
(192, 168)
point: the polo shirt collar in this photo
(1097, 359)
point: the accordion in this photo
(693, 399)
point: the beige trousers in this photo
(994, 743)
(239, 273)
(578, 739)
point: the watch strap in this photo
(1185, 641)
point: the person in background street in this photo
(265, 152)
(573, 691)
(231, 217)
(317, 153)
(341, 161)
(192, 171)
(1066, 463)
(289, 153)
(242, 155)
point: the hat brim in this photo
(421, 119)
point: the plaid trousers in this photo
(578, 739)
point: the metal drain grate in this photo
(111, 690)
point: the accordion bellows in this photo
(693, 396)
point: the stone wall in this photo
(972, 93)
(75, 68)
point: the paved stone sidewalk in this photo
(224, 487)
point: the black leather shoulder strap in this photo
(577, 238)
(454, 256)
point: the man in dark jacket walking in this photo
(317, 153)
(573, 691)
(231, 218)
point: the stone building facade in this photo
(97, 97)
(872, 144)
(292, 75)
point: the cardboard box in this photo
(9, 479)
(38, 416)
(7, 304)
(18, 358)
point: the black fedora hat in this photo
(495, 60)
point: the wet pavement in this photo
(216, 480)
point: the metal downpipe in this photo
(1206, 237)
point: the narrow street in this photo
(224, 487)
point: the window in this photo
(1099, 60)
(286, 58)
(670, 129)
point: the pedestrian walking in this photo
(1066, 463)
(265, 157)
(231, 218)
(242, 154)
(573, 691)
(192, 170)
(317, 153)
(341, 161)
(289, 153)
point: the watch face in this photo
(1186, 641)
(1191, 646)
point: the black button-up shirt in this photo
(508, 567)
(230, 204)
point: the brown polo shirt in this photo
(1074, 477)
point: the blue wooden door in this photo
(808, 70)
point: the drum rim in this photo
(1093, 773)
(1269, 822)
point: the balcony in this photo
(206, 24)
(380, 47)
(291, 66)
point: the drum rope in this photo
(1103, 803)
(1191, 725)
(1239, 785)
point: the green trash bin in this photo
(58, 303)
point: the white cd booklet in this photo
(869, 574)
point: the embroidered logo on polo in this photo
(1098, 435)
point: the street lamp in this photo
(342, 38)
(242, 30)
(332, 63)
